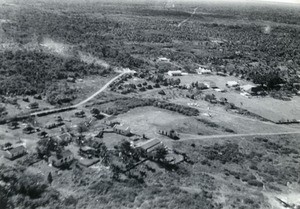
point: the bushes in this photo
(23, 190)
(255, 183)
(59, 94)
(228, 153)
(123, 105)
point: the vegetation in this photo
(31, 72)
(24, 190)
(122, 105)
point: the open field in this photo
(150, 120)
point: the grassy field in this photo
(149, 120)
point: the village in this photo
(106, 133)
(209, 85)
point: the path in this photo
(99, 91)
(187, 19)
(188, 137)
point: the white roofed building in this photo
(232, 84)
(175, 73)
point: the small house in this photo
(121, 129)
(221, 73)
(174, 159)
(210, 84)
(71, 79)
(37, 96)
(33, 105)
(15, 152)
(169, 133)
(150, 145)
(163, 59)
(247, 88)
(43, 134)
(110, 120)
(232, 84)
(60, 159)
(80, 114)
(202, 86)
(213, 85)
(175, 73)
(66, 137)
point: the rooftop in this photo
(17, 149)
(149, 144)
(174, 71)
(63, 154)
(122, 127)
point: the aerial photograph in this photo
(141, 104)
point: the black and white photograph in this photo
(149, 104)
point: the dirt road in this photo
(187, 19)
(187, 137)
(99, 91)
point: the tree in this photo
(160, 153)
(125, 147)
(95, 111)
(50, 178)
(2, 109)
(7, 145)
(47, 145)
(81, 127)
(28, 130)
(116, 170)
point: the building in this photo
(150, 145)
(60, 159)
(53, 125)
(121, 129)
(221, 73)
(232, 84)
(210, 84)
(203, 71)
(42, 134)
(33, 105)
(67, 137)
(15, 152)
(175, 73)
(203, 86)
(174, 159)
(71, 79)
(169, 133)
(163, 59)
(247, 88)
